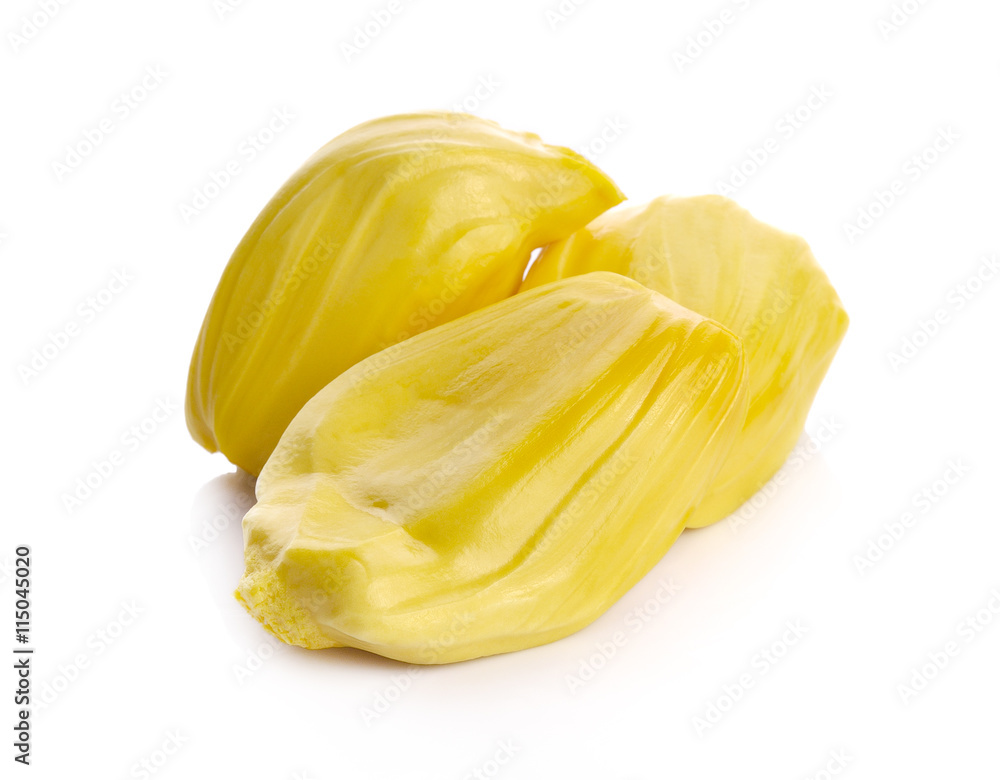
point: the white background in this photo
(193, 666)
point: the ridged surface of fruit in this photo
(710, 255)
(495, 483)
(396, 226)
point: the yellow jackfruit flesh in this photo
(396, 226)
(711, 256)
(497, 482)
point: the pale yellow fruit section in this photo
(397, 226)
(712, 256)
(495, 483)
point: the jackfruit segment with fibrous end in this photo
(495, 483)
(396, 226)
(711, 256)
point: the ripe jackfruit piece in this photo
(710, 255)
(500, 481)
(396, 226)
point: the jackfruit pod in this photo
(500, 481)
(710, 255)
(396, 226)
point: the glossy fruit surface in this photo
(495, 483)
(710, 255)
(396, 226)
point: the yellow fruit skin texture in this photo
(396, 226)
(712, 256)
(500, 482)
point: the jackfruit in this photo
(711, 256)
(396, 226)
(497, 482)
